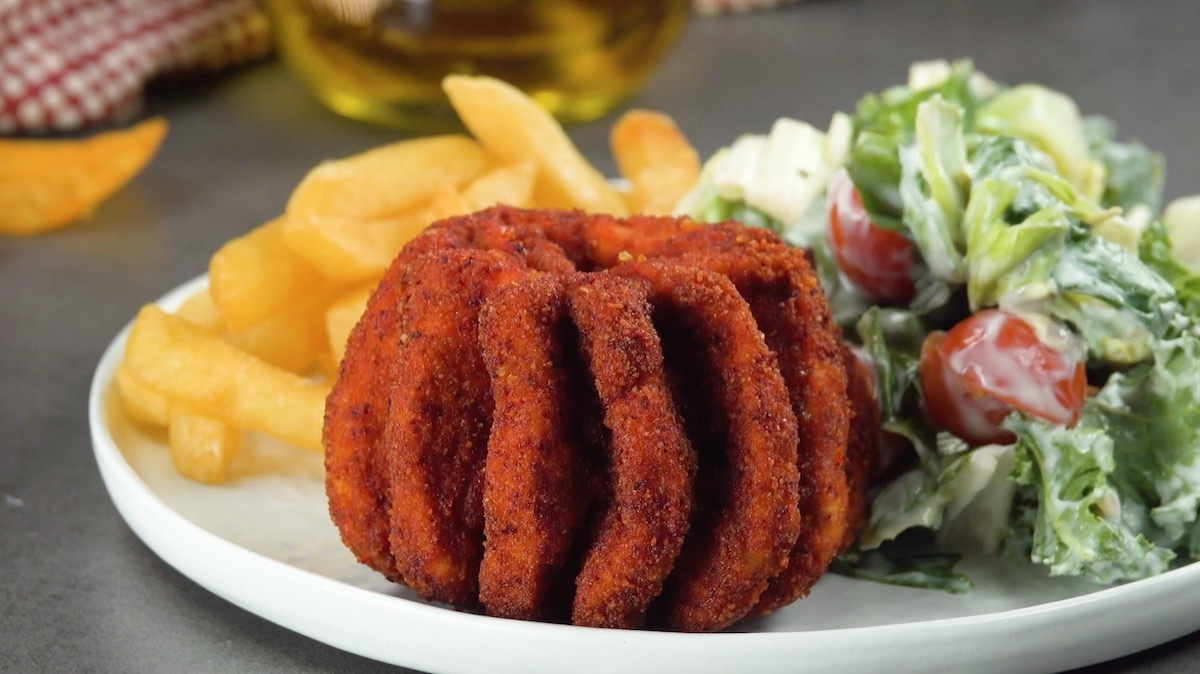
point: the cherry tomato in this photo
(876, 260)
(992, 363)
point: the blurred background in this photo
(85, 594)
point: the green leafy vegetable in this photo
(1134, 174)
(1117, 303)
(1049, 120)
(1012, 199)
(893, 339)
(933, 187)
(1156, 251)
(885, 122)
(1079, 528)
(937, 492)
(905, 566)
(1151, 412)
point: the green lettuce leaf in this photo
(1078, 523)
(777, 181)
(1008, 258)
(1152, 416)
(934, 184)
(1157, 252)
(1115, 497)
(1033, 245)
(1134, 173)
(945, 491)
(885, 122)
(1181, 230)
(893, 339)
(1049, 120)
(905, 564)
(1113, 300)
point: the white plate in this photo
(264, 542)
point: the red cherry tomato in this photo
(876, 260)
(990, 364)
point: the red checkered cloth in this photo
(70, 64)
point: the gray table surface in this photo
(80, 593)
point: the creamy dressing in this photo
(976, 520)
(1056, 335)
(943, 260)
(1014, 372)
(979, 416)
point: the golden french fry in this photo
(387, 180)
(201, 309)
(644, 139)
(657, 158)
(200, 369)
(202, 448)
(46, 184)
(514, 128)
(342, 316)
(349, 218)
(257, 274)
(291, 338)
(326, 364)
(140, 402)
(288, 339)
(360, 250)
(512, 185)
(447, 203)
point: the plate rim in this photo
(1074, 631)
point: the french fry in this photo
(325, 362)
(195, 367)
(201, 310)
(202, 448)
(349, 218)
(140, 402)
(288, 339)
(447, 203)
(291, 338)
(47, 184)
(359, 250)
(658, 160)
(514, 128)
(645, 139)
(512, 185)
(257, 274)
(387, 180)
(342, 316)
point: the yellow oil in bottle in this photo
(384, 60)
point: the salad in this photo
(1030, 312)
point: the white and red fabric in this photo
(70, 64)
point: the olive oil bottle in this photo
(383, 60)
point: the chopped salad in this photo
(1031, 313)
